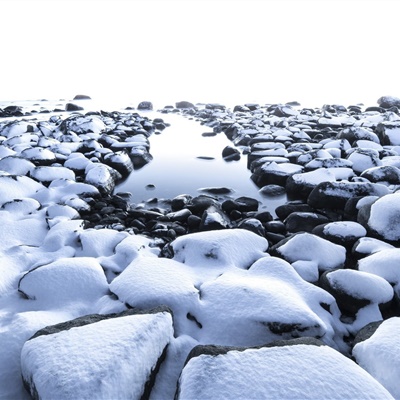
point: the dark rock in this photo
(193, 222)
(304, 221)
(81, 97)
(230, 154)
(73, 107)
(334, 195)
(179, 202)
(253, 225)
(272, 190)
(366, 332)
(388, 101)
(184, 104)
(201, 203)
(284, 210)
(145, 106)
(384, 173)
(217, 190)
(275, 227)
(214, 218)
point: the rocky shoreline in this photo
(215, 270)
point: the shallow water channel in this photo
(184, 162)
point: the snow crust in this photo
(262, 373)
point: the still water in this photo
(184, 162)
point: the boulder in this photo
(334, 195)
(257, 373)
(379, 355)
(304, 221)
(145, 106)
(73, 107)
(97, 356)
(354, 290)
(184, 104)
(308, 247)
(388, 101)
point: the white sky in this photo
(313, 51)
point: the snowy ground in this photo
(239, 289)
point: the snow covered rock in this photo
(382, 216)
(389, 132)
(16, 165)
(150, 282)
(14, 187)
(106, 357)
(308, 247)
(216, 249)
(366, 246)
(363, 159)
(385, 173)
(388, 101)
(274, 173)
(379, 355)
(384, 263)
(48, 174)
(287, 371)
(354, 290)
(269, 301)
(77, 279)
(101, 176)
(334, 195)
(345, 233)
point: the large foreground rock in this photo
(97, 356)
(314, 371)
(380, 355)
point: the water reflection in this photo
(185, 161)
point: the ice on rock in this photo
(16, 187)
(286, 372)
(344, 229)
(309, 247)
(67, 280)
(380, 355)
(109, 359)
(219, 249)
(150, 282)
(269, 301)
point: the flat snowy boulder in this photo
(150, 282)
(77, 279)
(297, 371)
(16, 187)
(269, 301)
(233, 247)
(379, 355)
(48, 174)
(97, 356)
